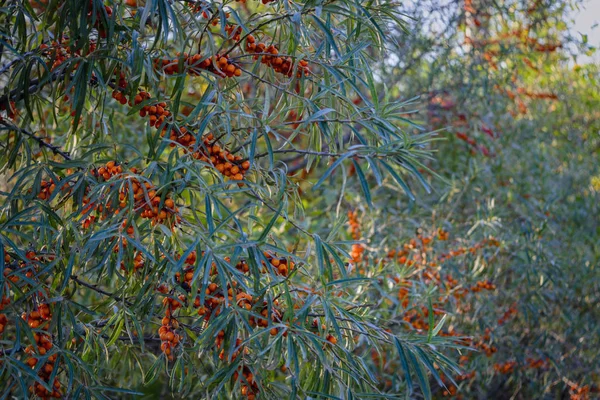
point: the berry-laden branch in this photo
(207, 150)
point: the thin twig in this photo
(95, 288)
(41, 142)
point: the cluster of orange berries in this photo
(483, 285)
(508, 314)
(505, 368)
(238, 348)
(46, 189)
(233, 32)
(138, 262)
(150, 206)
(417, 319)
(212, 302)
(210, 152)
(577, 392)
(281, 265)
(243, 266)
(357, 249)
(28, 266)
(156, 113)
(417, 249)
(215, 298)
(249, 388)
(226, 163)
(263, 320)
(107, 171)
(442, 234)
(533, 363)
(490, 242)
(37, 319)
(489, 350)
(59, 51)
(3, 319)
(283, 65)
(483, 343)
(3, 322)
(169, 325)
(220, 65)
(185, 278)
(450, 390)
(419, 243)
(403, 293)
(168, 335)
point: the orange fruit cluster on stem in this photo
(3, 319)
(235, 354)
(168, 334)
(146, 200)
(185, 278)
(37, 319)
(233, 32)
(282, 266)
(249, 388)
(46, 189)
(357, 249)
(229, 165)
(220, 65)
(59, 51)
(508, 314)
(507, 367)
(578, 392)
(275, 315)
(209, 151)
(3, 322)
(29, 267)
(281, 64)
(138, 262)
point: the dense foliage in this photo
(275, 199)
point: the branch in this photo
(36, 84)
(95, 288)
(41, 142)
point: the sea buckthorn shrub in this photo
(520, 162)
(156, 229)
(235, 200)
